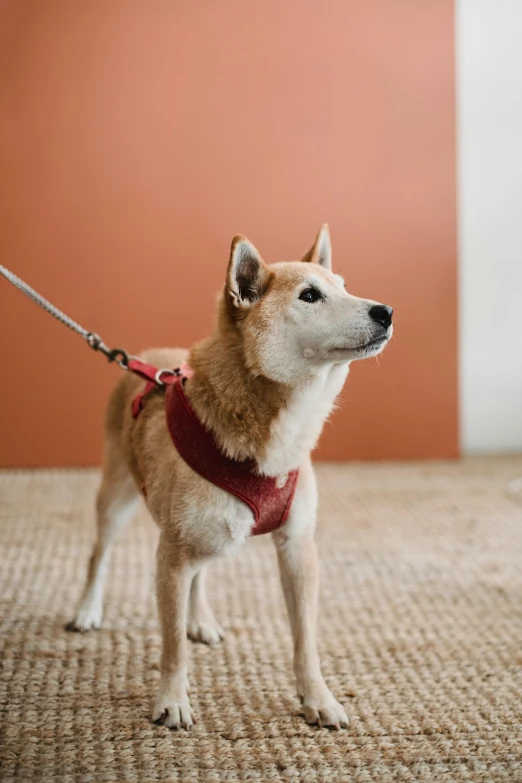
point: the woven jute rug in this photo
(420, 638)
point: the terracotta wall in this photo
(138, 138)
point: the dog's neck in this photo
(252, 416)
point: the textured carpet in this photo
(420, 629)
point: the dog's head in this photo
(294, 317)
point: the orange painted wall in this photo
(137, 138)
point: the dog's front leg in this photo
(202, 625)
(174, 575)
(298, 565)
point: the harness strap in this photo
(268, 497)
(137, 403)
(144, 370)
(156, 379)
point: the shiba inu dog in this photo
(261, 386)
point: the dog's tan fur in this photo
(264, 383)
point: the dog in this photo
(262, 385)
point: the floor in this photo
(420, 638)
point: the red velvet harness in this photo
(269, 498)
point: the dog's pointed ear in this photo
(321, 251)
(247, 274)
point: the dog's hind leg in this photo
(116, 504)
(202, 625)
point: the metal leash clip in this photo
(117, 355)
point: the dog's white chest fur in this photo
(295, 431)
(215, 521)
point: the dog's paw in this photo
(173, 710)
(325, 712)
(89, 616)
(208, 632)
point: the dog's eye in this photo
(310, 295)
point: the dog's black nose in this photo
(382, 314)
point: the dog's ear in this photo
(247, 274)
(321, 251)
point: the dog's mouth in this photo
(372, 344)
(375, 343)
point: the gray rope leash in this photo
(94, 341)
(44, 303)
